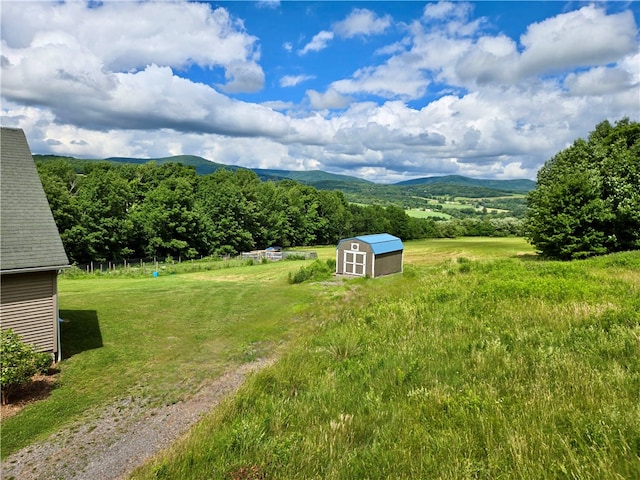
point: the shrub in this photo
(18, 363)
(295, 256)
(317, 271)
(42, 361)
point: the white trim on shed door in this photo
(354, 263)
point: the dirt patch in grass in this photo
(217, 278)
(38, 389)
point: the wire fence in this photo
(149, 263)
(155, 264)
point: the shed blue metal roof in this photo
(379, 242)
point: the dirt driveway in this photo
(121, 438)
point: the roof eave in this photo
(34, 269)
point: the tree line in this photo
(586, 202)
(106, 211)
(587, 199)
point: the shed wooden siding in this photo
(28, 307)
(388, 263)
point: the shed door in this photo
(355, 262)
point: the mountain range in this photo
(351, 186)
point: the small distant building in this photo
(277, 253)
(273, 253)
(31, 251)
(369, 255)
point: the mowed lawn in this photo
(157, 338)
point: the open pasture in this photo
(422, 213)
(434, 251)
(480, 364)
(480, 361)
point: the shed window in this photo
(355, 246)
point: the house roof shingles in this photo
(29, 238)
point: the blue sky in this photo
(381, 90)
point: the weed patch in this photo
(316, 272)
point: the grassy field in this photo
(421, 213)
(156, 339)
(480, 361)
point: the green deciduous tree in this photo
(110, 211)
(587, 200)
(61, 185)
(103, 229)
(369, 219)
(167, 222)
(304, 214)
(273, 218)
(225, 212)
(334, 208)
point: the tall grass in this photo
(506, 368)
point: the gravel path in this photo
(122, 438)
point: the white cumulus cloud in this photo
(330, 99)
(317, 43)
(585, 37)
(129, 36)
(448, 93)
(293, 80)
(600, 81)
(361, 22)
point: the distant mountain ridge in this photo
(205, 167)
(517, 185)
(318, 178)
(201, 165)
(308, 176)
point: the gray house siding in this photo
(31, 251)
(28, 307)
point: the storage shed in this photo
(31, 251)
(369, 255)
